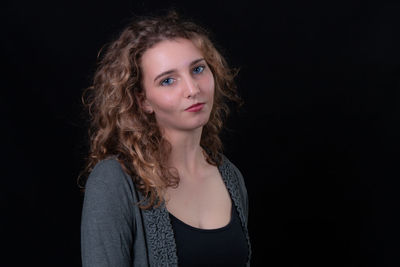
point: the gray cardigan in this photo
(115, 232)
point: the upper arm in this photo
(107, 220)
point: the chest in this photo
(159, 236)
(226, 246)
(202, 203)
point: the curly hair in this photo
(119, 126)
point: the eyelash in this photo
(163, 82)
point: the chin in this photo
(198, 124)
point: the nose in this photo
(191, 88)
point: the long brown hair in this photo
(120, 127)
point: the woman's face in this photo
(179, 85)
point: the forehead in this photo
(169, 54)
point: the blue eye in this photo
(167, 81)
(198, 69)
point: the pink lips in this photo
(195, 107)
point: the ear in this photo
(147, 106)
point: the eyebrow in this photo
(172, 71)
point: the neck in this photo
(186, 154)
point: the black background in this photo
(317, 139)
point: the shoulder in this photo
(236, 185)
(109, 173)
(227, 164)
(109, 190)
(233, 174)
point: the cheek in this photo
(207, 84)
(162, 101)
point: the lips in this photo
(195, 107)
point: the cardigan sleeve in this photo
(107, 221)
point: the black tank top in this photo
(226, 246)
